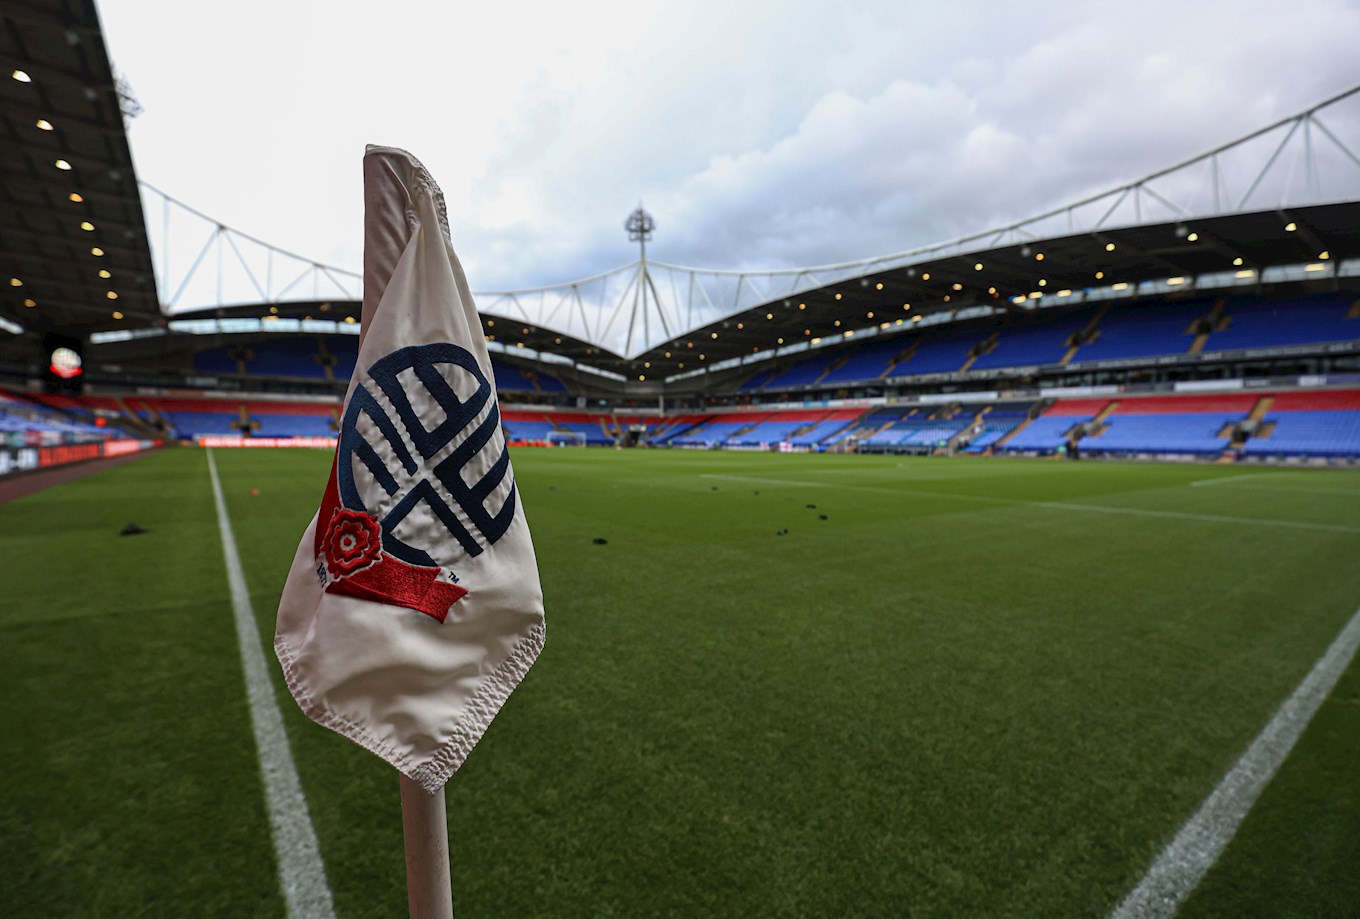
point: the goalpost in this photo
(566, 438)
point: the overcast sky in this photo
(759, 134)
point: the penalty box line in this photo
(302, 874)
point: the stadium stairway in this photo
(1211, 322)
(985, 346)
(1089, 333)
(961, 439)
(900, 360)
(1039, 408)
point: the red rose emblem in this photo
(353, 542)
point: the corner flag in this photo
(413, 607)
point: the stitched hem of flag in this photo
(481, 710)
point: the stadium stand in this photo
(870, 361)
(1322, 424)
(1044, 341)
(943, 353)
(995, 425)
(1267, 323)
(1144, 330)
(1049, 431)
(803, 373)
(1172, 424)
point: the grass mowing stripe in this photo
(1181, 866)
(301, 871)
(1061, 505)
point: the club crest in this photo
(422, 481)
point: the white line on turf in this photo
(302, 874)
(1060, 505)
(1236, 482)
(1181, 866)
(1221, 480)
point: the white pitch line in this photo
(1200, 483)
(1183, 864)
(302, 874)
(1061, 505)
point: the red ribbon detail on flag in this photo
(390, 580)
(351, 543)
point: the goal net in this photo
(567, 438)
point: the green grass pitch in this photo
(964, 692)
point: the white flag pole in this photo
(429, 891)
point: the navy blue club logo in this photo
(423, 446)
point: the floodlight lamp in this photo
(21, 76)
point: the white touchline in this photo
(1059, 505)
(302, 874)
(1181, 866)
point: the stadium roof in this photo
(73, 244)
(624, 319)
(1217, 215)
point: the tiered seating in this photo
(1325, 423)
(193, 418)
(804, 373)
(867, 362)
(589, 425)
(216, 360)
(287, 357)
(776, 427)
(757, 380)
(996, 424)
(292, 419)
(51, 418)
(1256, 323)
(1035, 342)
(1172, 424)
(677, 427)
(549, 383)
(825, 430)
(525, 426)
(511, 377)
(345, 350)
(917, 430)
(1139, 330)
(1048, 432)
(938, 354)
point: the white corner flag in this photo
(413, 607)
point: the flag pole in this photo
(429, 891)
